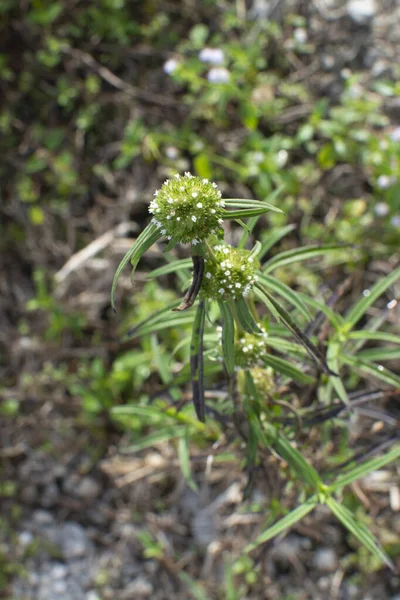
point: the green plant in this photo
(257, 357)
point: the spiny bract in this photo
(187, 209)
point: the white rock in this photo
(361, 11)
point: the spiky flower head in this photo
(187, 209)
(230, 274)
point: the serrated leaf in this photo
(359, 309)
(145, 240)
(228, 336)
(289, 257)
(288, 521)
(359, 530)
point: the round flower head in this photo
(231, 275)
(250, 350)
(187, 208)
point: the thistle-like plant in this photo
(190, 210)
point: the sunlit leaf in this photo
(289, 257)
(228, 336)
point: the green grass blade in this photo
(272, 284)
(359, 530)
(288, 521)
(228, 336)
(193, 587)
(359, 309)
(162, 434)
(245, 316)
(335, 319)
(367, 467)
(172, 267)
(162, 320)
(289, 257)
(144, 241)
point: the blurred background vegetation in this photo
(100, 102)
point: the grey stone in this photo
(88, 488)
(43, 518)
(139, 588)
(74, 541)
(325, 559)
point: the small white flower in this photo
(245, 349)
(163, 231)
(381, 209)
(178, 218)
(225, 250)
(170, 65)
(199, 205)
(395, 135)
(204, 180)
(194, 194)
(213, 56)
(238, 285)
(221, 221)
(177, 176)
(194, 242)
(170, 201)
(213, 211)
(227, 273)
(194, 219)
(214, 185)
(182, 188)
(384, 181)
(208, 275)
(218, 75)
(221, 290)
(156, 192)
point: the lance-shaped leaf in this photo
(369, 297)
(378, 371)
(280, 365)
(285, 292)
(197, 361)
(172, 267)
(298, 254)
(288, 521)
(163, 319)
(245, 316)
(144, 241)
(282, 315)
(228, 336)
(247, 208)
(273, 238)
(359, 530)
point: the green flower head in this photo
(231, 274)
(187, 209)
(250, 350)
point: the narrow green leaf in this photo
(332, 357)
(245, 316)
(378, 371)
(359, 530)
(184, 459)
(273, 238)
(378, 354)
(144, 241)
(288, 521)
(162, 360)
(161, 320)
(244, 213)
(379, 336)
(367, 467)
(335, 319)
(251, 223)
(228, 336)
(162, 434)
(248, 203)
(197, 361)
(172, 267)
(279, 312)
(193, 587)
(274, 285)
(357, 311)
(280, 365)
(292, 456)
(289, 257)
